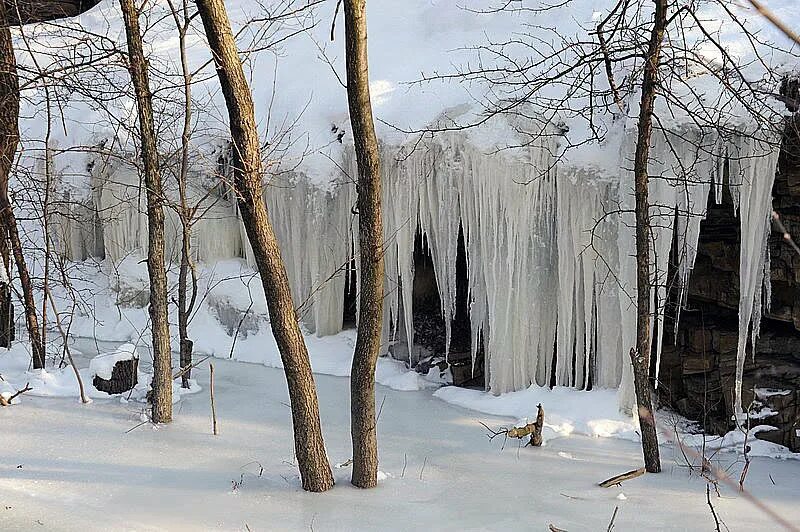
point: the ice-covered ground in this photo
(66, 466)
(79, 469)
(76, 467)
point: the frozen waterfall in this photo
(550, 246)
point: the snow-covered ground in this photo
(67, 466)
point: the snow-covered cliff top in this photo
(297, 82)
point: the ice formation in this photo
(550, 246)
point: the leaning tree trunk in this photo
(640, 357)
(309, 447)
(161, 397)
(9, 138)
(363, 428)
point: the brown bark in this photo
(29, 305)
(6, 301)
(31, 11)
(9, 138)
(363, 428)
(315, 470)
(162, 357)
(640, 357)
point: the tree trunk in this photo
(184, 308)
(6, 301)
(162, 357)
(370, 236)
(640, 357)
(9, 138)
(309, 446)
(185, 213)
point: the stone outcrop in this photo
(698, 365)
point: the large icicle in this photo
(751, 162)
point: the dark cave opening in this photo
(429, 323)
(350, 295)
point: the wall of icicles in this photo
(550, 247)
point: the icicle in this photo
(550, 248)
(752, 167)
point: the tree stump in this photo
(123, 377)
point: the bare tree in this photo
(9, 114)
(370, 235)
(315, 470)
(18, 14)
(640, 357)
(186, 213)
(161, 398)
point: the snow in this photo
(437, 38)
(60, 381)
(567, 411)
(439, 470)
(734, 442)
(549, 243)
(764, 393)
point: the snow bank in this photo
(61, 381)
(567, 411)
(734, 442)
(230, 321)
(596, 413)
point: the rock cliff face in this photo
(698, 365)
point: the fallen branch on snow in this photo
(533, 429)
(619, 479)
(7, 402)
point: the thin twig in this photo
(613, 516)
(211, 392)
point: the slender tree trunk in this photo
(363, 428)
(640, 357)
(308, 443)
(185, 304)
(48, 171)
(9, 138)
(6, 301)
(184, 308)
(162, 357)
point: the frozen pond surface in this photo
(64, 466)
